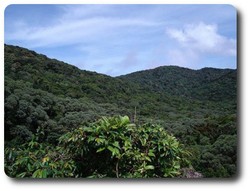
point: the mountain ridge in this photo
(94, 72)
(175, 80)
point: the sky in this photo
(121, 39)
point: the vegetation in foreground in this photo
(110, 147)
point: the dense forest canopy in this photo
(48, 102)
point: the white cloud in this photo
(203, 38)
(74, 31)
(80, 12)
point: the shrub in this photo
(114, 147)
(110, 147)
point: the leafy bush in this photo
(38, 160)
(110, 147)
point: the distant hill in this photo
(198, 106)
(207, 83)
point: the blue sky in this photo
(120, 39)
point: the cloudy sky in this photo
(120, 39)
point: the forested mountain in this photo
(52, 98)
(202, 84)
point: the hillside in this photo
(58, 77)
(197, 106)
(200, 84)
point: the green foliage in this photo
(110, 147)
(38, 160)
(122, 149)
(213, 142)
(220, 157)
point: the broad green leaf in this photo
(36, 174)
(22, 175)
(44, 173)
(100, 149)
(116, 144)
(149, 167)
(29, 167)
(148, 159)
(111, 149)
(124, 120)
(151, 153)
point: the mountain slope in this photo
(177, 81)
(60, 78)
